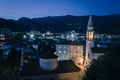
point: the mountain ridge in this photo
(102, 24)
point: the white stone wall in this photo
(48, 64)
(89, 55)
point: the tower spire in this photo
(90, 23)
(89, 39)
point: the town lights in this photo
(32, 36)
(24, 36)
(72, 35)
(81, 60)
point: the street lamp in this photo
(81, 60)
(32, 35)
(24, 36)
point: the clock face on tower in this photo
(90, 35)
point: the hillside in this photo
(103, 24)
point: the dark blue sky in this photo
(14, 9)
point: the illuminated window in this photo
(64, 47)
(59, 51)
(64, 51)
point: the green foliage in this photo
(10, 69)
(107, 67)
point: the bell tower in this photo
(89, 39)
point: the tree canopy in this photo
(45, 47)
(10, 68)
(106, 67)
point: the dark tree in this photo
(107, 67)
(45, 47)
(14, 57)
(11, 68)
(1, 56)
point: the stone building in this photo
(70, 51)
(48, 68)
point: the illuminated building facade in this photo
(72, 51)
(76, 53)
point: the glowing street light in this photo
(43, 35)
(24, 36)
(32, 35)
(72, 35)
(81, 61)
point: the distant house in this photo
(2, 37)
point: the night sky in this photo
(14, 9)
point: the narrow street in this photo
(82, 71)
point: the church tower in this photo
(89, 39)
